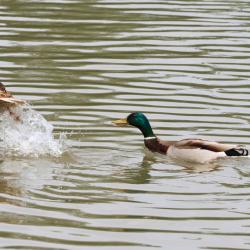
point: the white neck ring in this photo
(150, 138)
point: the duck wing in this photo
(204, 144)
(10, 100)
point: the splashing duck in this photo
(7, 102)
(190, 150)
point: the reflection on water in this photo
(82, 64)
(19, 175)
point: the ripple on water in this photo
(84, 63)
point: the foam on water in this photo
(31, 136)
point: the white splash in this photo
(31, 136)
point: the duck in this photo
(187, 150)
(8, 102)
(6, 98)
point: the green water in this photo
(82, 64)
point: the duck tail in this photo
(237, 152)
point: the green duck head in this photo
(138, 120)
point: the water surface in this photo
(82, 64)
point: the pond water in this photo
(82, 64)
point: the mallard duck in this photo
(191, 150)
(6, 98)
(7, 102)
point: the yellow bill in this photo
(121, 122)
